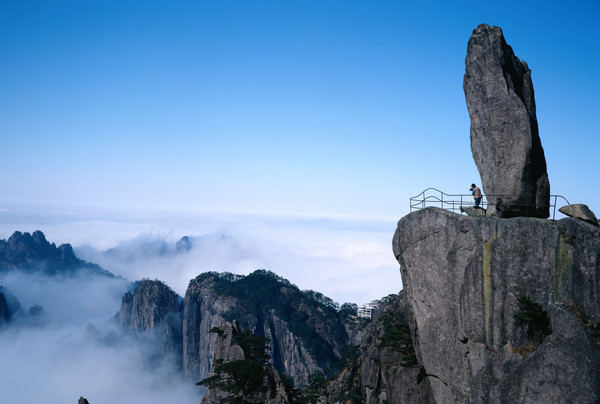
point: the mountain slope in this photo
(307, 333)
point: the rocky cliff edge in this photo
(505, 310)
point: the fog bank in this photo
(72, 348)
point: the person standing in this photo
(476, 192)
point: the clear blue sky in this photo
(315, 107)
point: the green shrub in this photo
(534, 317)
(397, 335)
(242, 379)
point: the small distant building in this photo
(366, 310)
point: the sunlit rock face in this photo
(203, 310)
(307, 335)
(580, 211)
(154, 311)
(463, 277)
(505, 139)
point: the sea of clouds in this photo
(74, 348)
(346, 259)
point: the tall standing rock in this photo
(504, 131)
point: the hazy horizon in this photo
(346, 260)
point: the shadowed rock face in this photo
(380, 372)
(504, 131)
(4, 312)
(32, 253)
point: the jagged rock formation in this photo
(228, 350)
(307, 334)
(154, 310)
(33, 253)
(504, 131)
(465, 280)
(384, 371)
(580, 211)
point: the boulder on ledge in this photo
(580, 211)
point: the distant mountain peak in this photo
(31, 252)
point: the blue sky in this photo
(320, 109)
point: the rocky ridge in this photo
(307, 332)
(33, 253)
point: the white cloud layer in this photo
(73, 348)
(348, 260)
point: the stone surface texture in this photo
(580, 211)
(377, 376)
(203, 310)
(154, 311)
(463, 277)
(227, 349)
(505, 139)
(472, 211)
(183, 329)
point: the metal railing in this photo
(453, 202)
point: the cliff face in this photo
(153, 310)
(383, 368)
(307, 335)
(203, 310)
(465, 280)
(243, 371)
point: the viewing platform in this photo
(463, 203)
